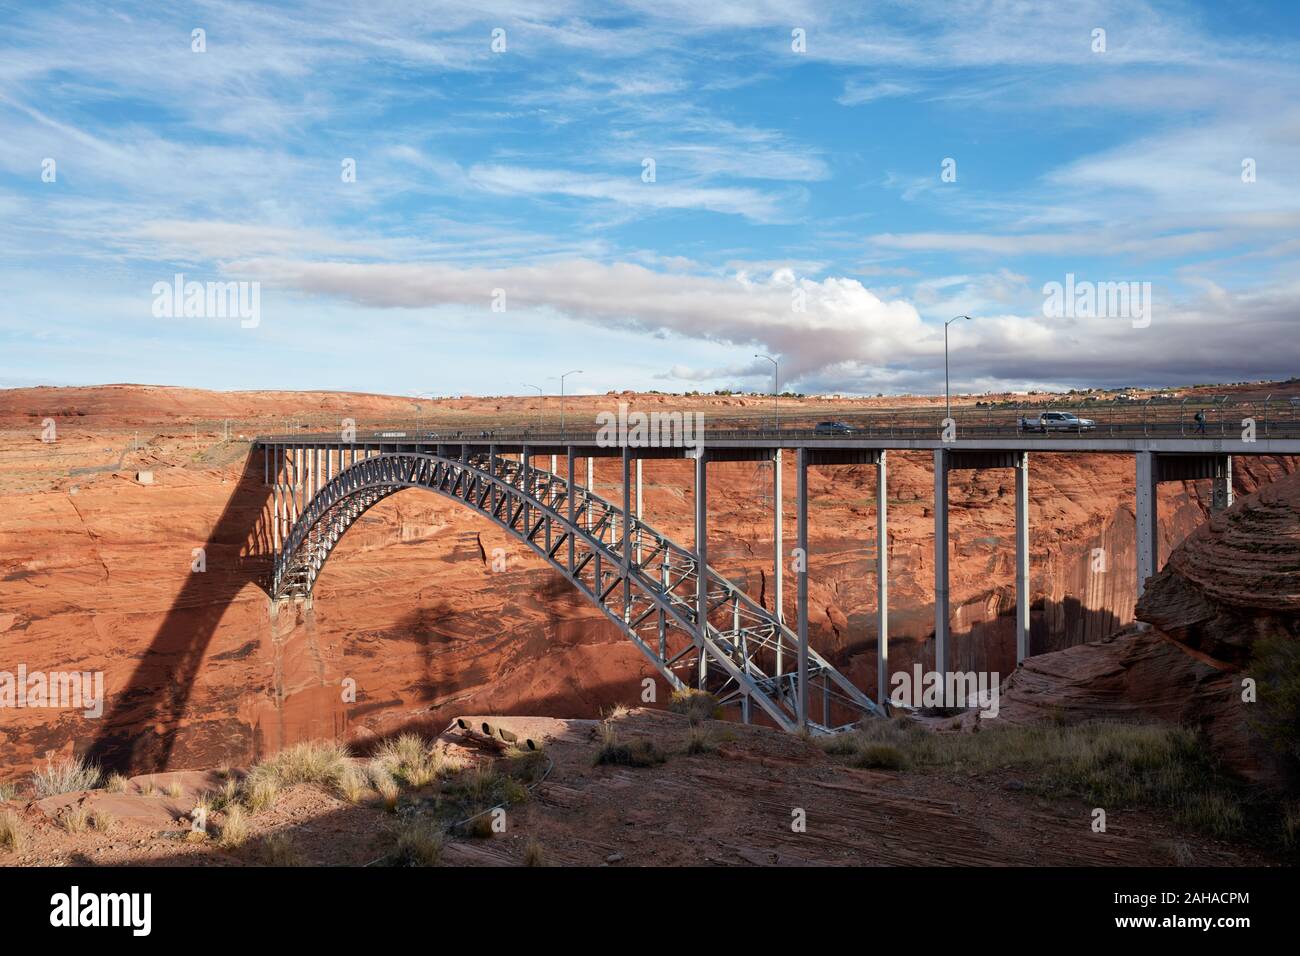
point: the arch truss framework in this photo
(692, 624)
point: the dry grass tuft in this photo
(699, 741)
(533, 853)
(419, 843)
(102, 821)
(697, 705)
(116, 783)
(235, 829)
(642, 752)
(1109, 764)
(278, 849)
(319, 763)
(74, 819)
(13, 834)
(67, 775)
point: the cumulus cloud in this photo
(836, 333)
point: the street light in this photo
(576, 371)
(947, 396)
(776, 392)
(540, 395)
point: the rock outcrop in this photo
(1234, 582)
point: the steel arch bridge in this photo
(649, 586)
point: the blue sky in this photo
(781, 174)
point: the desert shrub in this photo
(8, 790)
(1275, 665)
(235, 828)
(526, 766)
(13, 834)
(696, 705)
(419, 843)
(1108, 764)
(316, 762)
(879, 757)
(74, 819)
(278, 849)
(260, 789)
(639, 753)
(698, 741)
(102, 821)
(534, 855)
(66, 775)
(116, 783)
(413, 762)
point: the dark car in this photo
(833, 428)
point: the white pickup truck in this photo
(1056, 422)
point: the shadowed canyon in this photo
(426, 611)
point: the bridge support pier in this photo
(941, 465)
(572, 496)
(702, 559)
(1222, 499)
(591, 485)
(1148, 533)
(778, 553)
(801, 568)
(627, 532)
(882, 585)
(638, 509)
(1022, 556)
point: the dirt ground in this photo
(737, 805)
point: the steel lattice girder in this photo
(656, 611)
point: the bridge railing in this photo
(1157, 418)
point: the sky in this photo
(442, 199)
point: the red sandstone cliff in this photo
(1233, 582)
(95, 574)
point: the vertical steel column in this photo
(525, 466)
(572, 497)
(1022, 556)
(1221, 500)
(492, 470)
(801, 509)
(591, 487)
(941, 561)
(555, 463)
(1148, 527)
(627, 533)
(778, 556)
(882, 583)
(702, 558)
(638, 509)
(275, 498)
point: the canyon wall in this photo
(411, 625)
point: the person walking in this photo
(1200, 421)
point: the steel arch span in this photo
(644, 582)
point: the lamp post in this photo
(776, 390)
(576, 371)
(540, 395)
(947, 396)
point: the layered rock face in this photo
(1233, 582)
(426, 611)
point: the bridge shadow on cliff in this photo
(138, 731)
